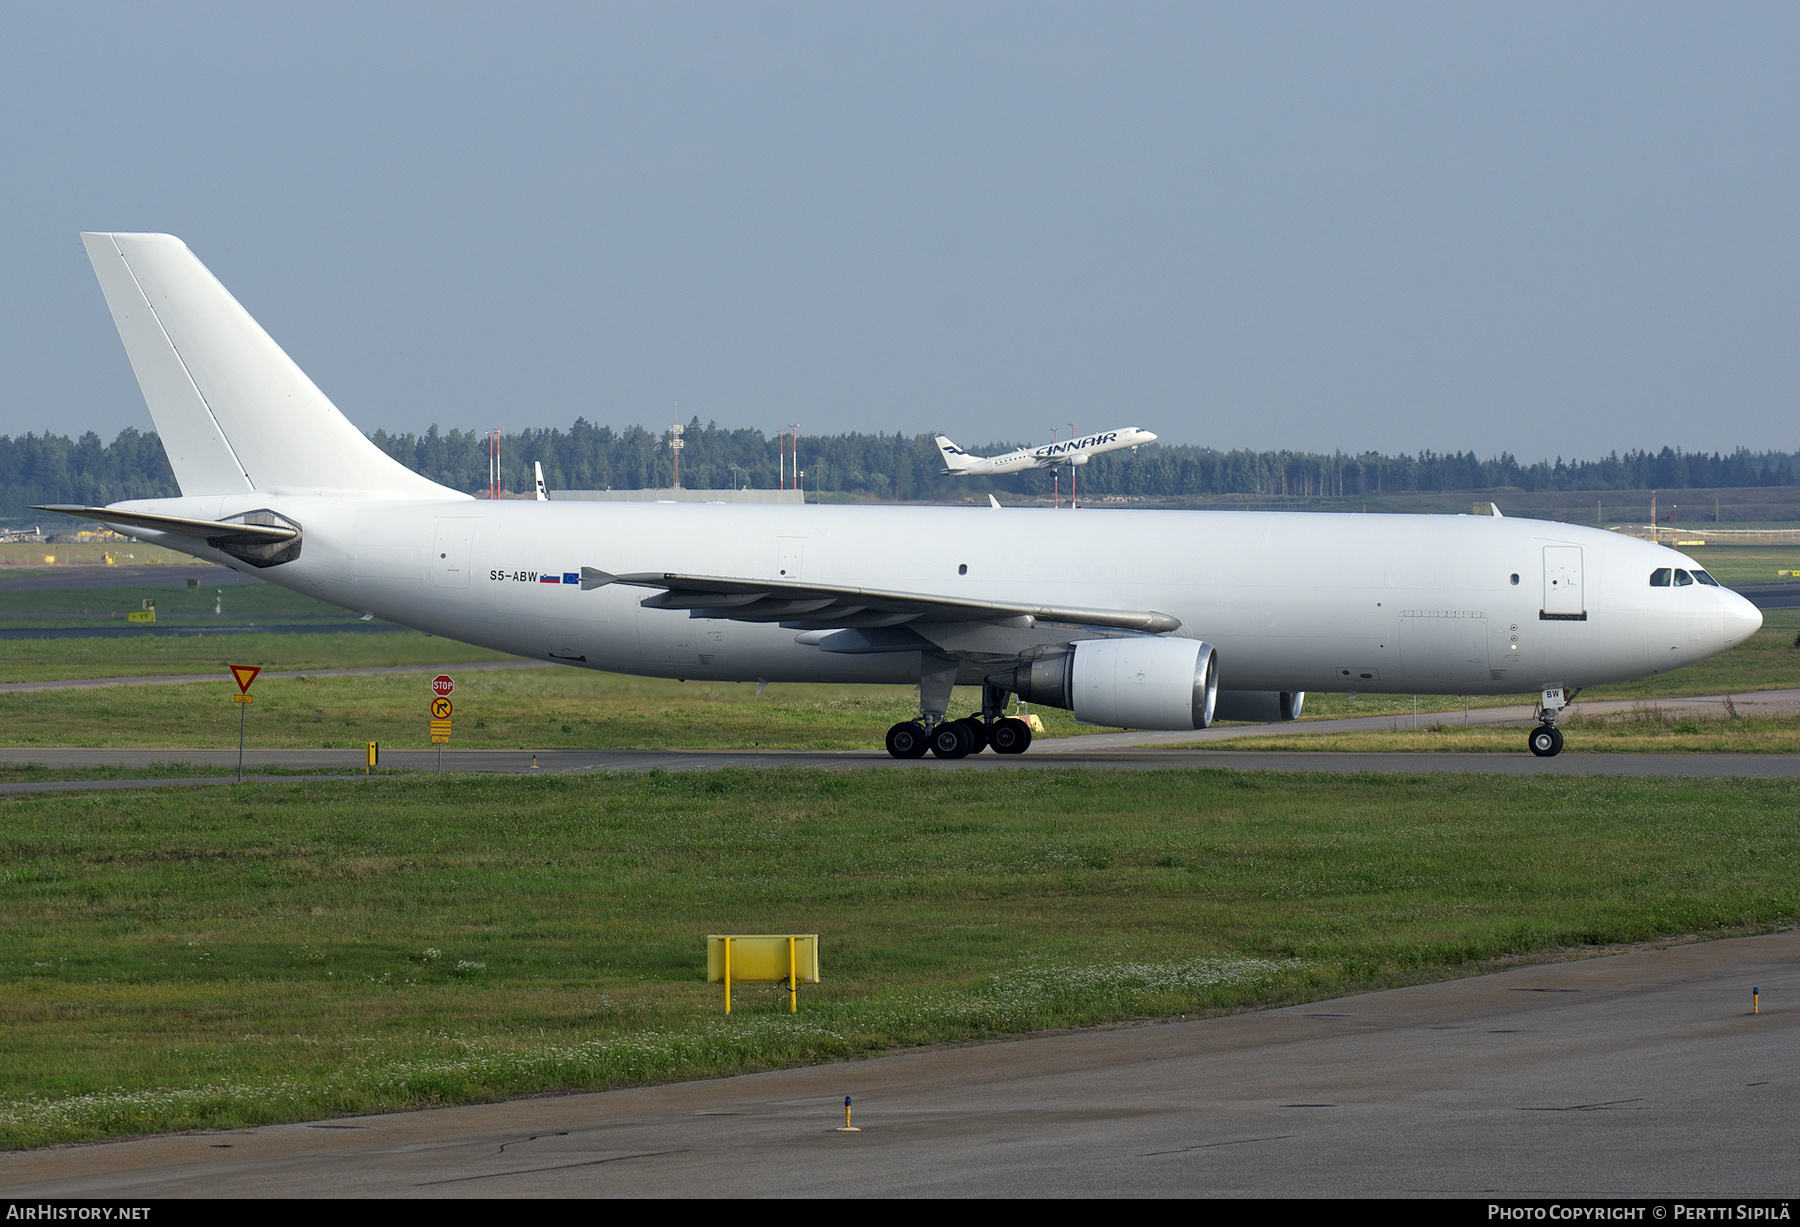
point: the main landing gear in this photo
(932, 733)
(959, 738)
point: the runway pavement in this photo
(548, 762)
(1643, 1074)
(98, 575)
(1771, 596)
(1100, 751)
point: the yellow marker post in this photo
(728, 975)
(374, 757)
(847, 1127)
(1755, 999)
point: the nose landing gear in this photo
(1546, 740)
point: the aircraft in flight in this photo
(1132, 619)
(1069, 452)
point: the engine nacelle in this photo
(1259, 706)
(1141, 682)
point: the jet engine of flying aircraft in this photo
(958, 463)
(1136, 619)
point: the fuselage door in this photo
(1562, 581)
(451, 547)
(792, 563)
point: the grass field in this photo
(560, 707)
(290, 951)
(1733, 565)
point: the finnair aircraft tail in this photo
(234, 412)
(955, 459)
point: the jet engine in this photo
(1259, 706)
(1141, 682)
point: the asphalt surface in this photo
(197, 631)
(24, 579)
(563, 762)
(1099, 751)
(1771, 596)
(1643, 1074)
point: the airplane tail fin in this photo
(955, 459)
(235, 414)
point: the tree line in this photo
(51, 468)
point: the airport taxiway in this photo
(1640, 1074)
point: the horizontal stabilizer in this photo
(209, 529)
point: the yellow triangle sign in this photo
(245, 674)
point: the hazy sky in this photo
(1548, 229)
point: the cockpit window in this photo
(1659, 578)
(1682, 578)
(1706, 579)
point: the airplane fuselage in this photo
(1291, 602)
(1049, 456)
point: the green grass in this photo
(238, 602)
(42, 660)
(278, 952)
(531, 708)
(1733, 565)
(562, 707)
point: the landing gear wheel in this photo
(978, 733)
(1546, 741)
(952, 739)
(1009, 736)
(906, 740)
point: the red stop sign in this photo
(441, 685)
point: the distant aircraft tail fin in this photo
(234, 413)
(955, 459)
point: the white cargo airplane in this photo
(958, 463)
(1136, 619)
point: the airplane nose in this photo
(1742, 619)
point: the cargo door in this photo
(1444, 648)
(1563, 598)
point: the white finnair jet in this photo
(1136, 619)
(958, 463)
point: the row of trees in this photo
(589, 457)
(56, 469)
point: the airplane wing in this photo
(804, 606)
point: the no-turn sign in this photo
(441, 685)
